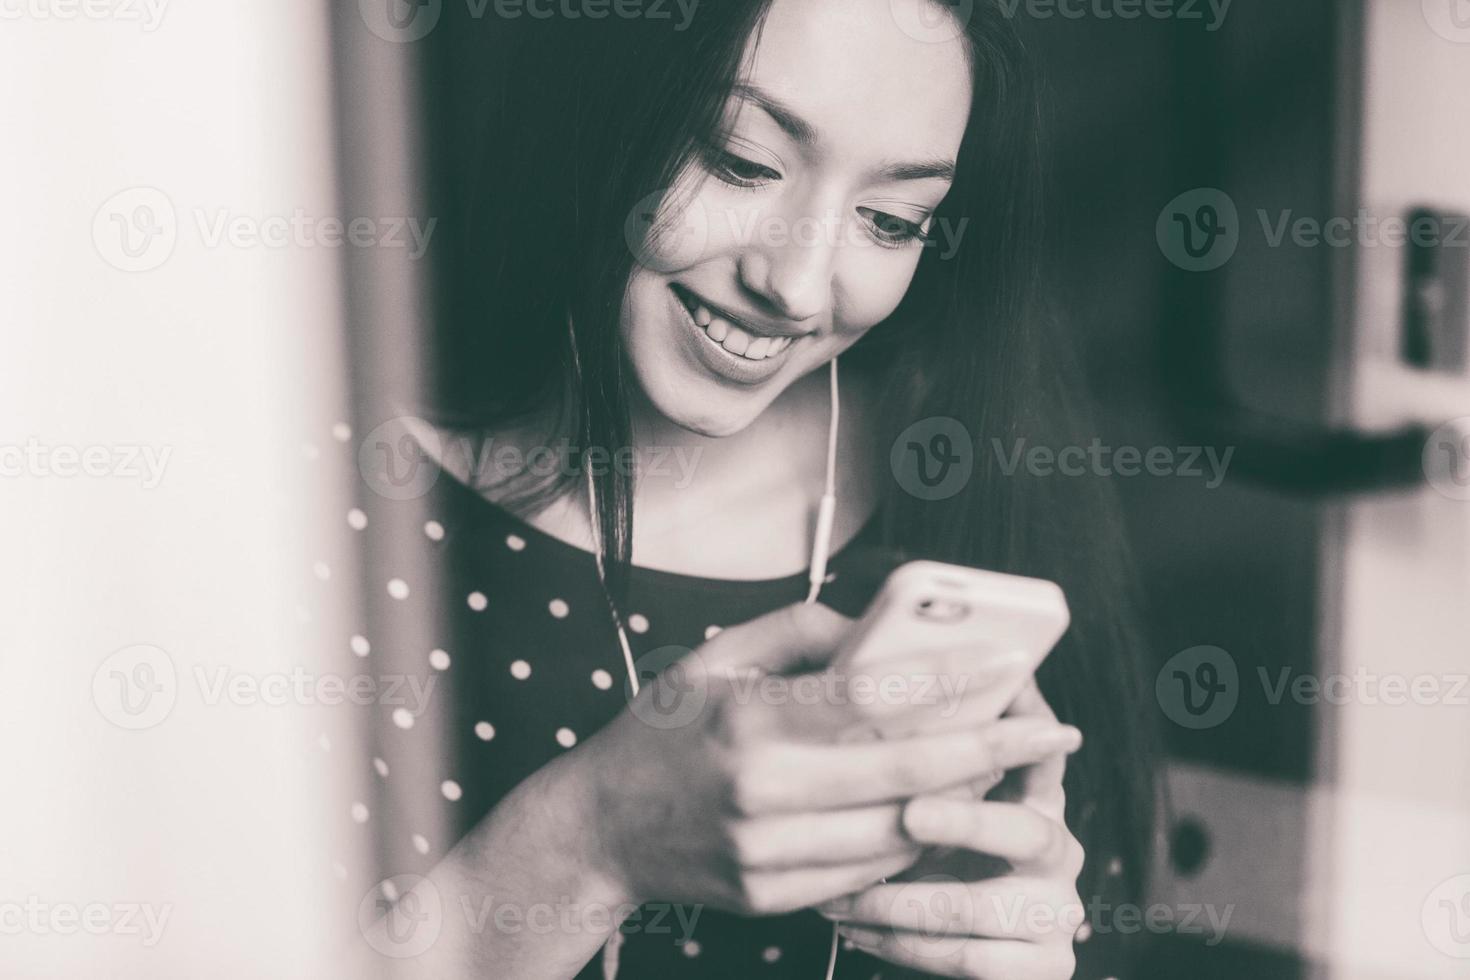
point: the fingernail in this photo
(860, 937)
(1063, 739)
(839, 907)
(921, 818)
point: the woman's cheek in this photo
(872, 283)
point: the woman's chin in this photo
(714, 414)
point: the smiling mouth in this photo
(733, 339)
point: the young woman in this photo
(679, 231)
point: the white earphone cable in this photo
(816, 576)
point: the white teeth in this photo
(736, 341)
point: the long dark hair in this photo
(585, 121)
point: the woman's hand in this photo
(719, 786)
(1018, 925)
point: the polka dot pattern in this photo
(511, 685)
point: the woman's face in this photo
(781, 246)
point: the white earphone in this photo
(816, 575)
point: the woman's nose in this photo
(792, 273)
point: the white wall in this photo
(207, 816)
(1393, 836)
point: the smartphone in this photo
(1010, 622)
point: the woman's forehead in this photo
(850, 71)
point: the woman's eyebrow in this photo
(792, 124)
(803, 133)
(919, 170)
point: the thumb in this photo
(793, 637)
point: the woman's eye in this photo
(738, 170)
(892, 230)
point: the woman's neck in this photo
(739, 506)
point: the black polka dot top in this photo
(528, 666)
